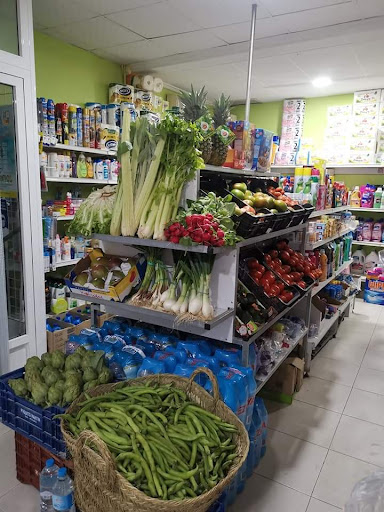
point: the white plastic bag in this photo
(368, 494)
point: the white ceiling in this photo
(205, 42)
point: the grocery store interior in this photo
(191, 256)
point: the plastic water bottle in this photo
(47, 480)
(263, 415)
(62, 493)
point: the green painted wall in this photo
(66, 73)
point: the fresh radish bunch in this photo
(200, 228)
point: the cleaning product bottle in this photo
(358, 262)
(66, 249)
(367, 230)
(81, 166)
(371, 261)
(355, 198)
(377, 197)
(58, 248)
(377, 231)
(382, 201)
(323, 265)
(337, 255)
(89, 165)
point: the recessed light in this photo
(321, 81)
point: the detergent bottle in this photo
(355, 199)
(371, 261)
(358, 262)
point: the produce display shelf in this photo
(161, 244)
(314, 245)
(66, 263)
(269, 324)
(159, 318)
(261, 381)
(64, 217)
(80, 149)
(269, 236)
(328, 323)
(322, 284)
(370, 210)
(329, 211)
(249, 173)
(370, 244)
(90, 181)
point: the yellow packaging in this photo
(144, 100)
(119, 93)
(109, 137)
(157, 104)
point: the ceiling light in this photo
(321, 81)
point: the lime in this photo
(240, 186)
(238, 193)
(248, 194)
(270, 202)
(280, 205)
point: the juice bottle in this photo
(355, 198)
(323, 265)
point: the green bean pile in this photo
(163, 444)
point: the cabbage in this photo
(34, 362)
(89, 374)
(105, 376)
(55, 395)
(47, 359)
(58, 359)
(19, 387)
(39, 393)
(73, 362)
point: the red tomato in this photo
(253, 264)
(311, 274)
(266, 288)
(300, 267)
(299, 255)
(286, 269)
(256, 280)
(278, 261)
(286, 296)
(293, 261)
(267, 259)
(302, 284)
(307, 269)
(269, 275)
(284, 255)
(280, 285)
(273, 264)
(296, 276)
(262, 269)
(256, 274)
(274, 290)
(290, 251)
(274, 254)
(288, 280)
(279, 274)
(281, 244)
(265, 282)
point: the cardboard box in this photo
(318, 310)
(288, 379)
(57, 340)
(118, 292)
(101, 316)
(84, 324)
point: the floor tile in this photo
(377, 338)
(334, 370)
(370, 380)
(345, 350)
(323, 393)
(4, 428)
(360, 439)
(263, 495)
(338, 477)
(374, 359)
(366, 406)
(23, 498)
(8, 478)
(307, 422)
(292, 462)
(319, 506)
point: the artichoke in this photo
(47, 359)
(71, 393)
(73, 377)
(105, 376)
(58, 359)
(39, 393)
(50, 375)
(32, 375)
(19, 387)
(81, 350)
(73, 362)
(90, 384)
(60, 384)
(55, 395)
(89, 374)
(34, 362)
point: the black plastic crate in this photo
(30, 420)
(298, 215)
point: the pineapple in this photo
(194, 108)
(221, 113)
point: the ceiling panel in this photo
(191, 41)
(50, 13)
(277, 7)
(132, 52)
(370, 57)
(111, 6)
(213, 13)
(95, 33)
(371, 8)
(160, 19)
(238, 32)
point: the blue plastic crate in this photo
(30, 420)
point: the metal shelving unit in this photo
(322, 284)
(90, 181)
(329, 211)
(369, 244)
(310, 246)
(66, 263)
(64, 217)
(246, 173)
(80, 149)
(368, 210)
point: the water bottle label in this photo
(62, 503)
(45, 495)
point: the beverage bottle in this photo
(261, 412)
(48, 478)
(62, 493)
(323, 265)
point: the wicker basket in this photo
(99, 487)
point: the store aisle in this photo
(318, 448)
(333, 433)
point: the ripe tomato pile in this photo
(200, 228)
(266, 279)
(291, 265)
(278, 193)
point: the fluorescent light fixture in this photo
(321, 81)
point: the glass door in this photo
(17, 319)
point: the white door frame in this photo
(19, 71)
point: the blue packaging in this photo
(179, 353)
(116, 341)
(79, 126)
(138, 333)
(75, 341)
(93, 335)
(185, 370)
(212, 362)
(125, 363)
(168, 359)
(191, 347)
(161, 341)
(203, 346)
(227, 357)
(150, 366)
(251, 384)
(108, 350)
(148, 348)
(113, 327)
(260, 412)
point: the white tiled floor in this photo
(331, 437)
